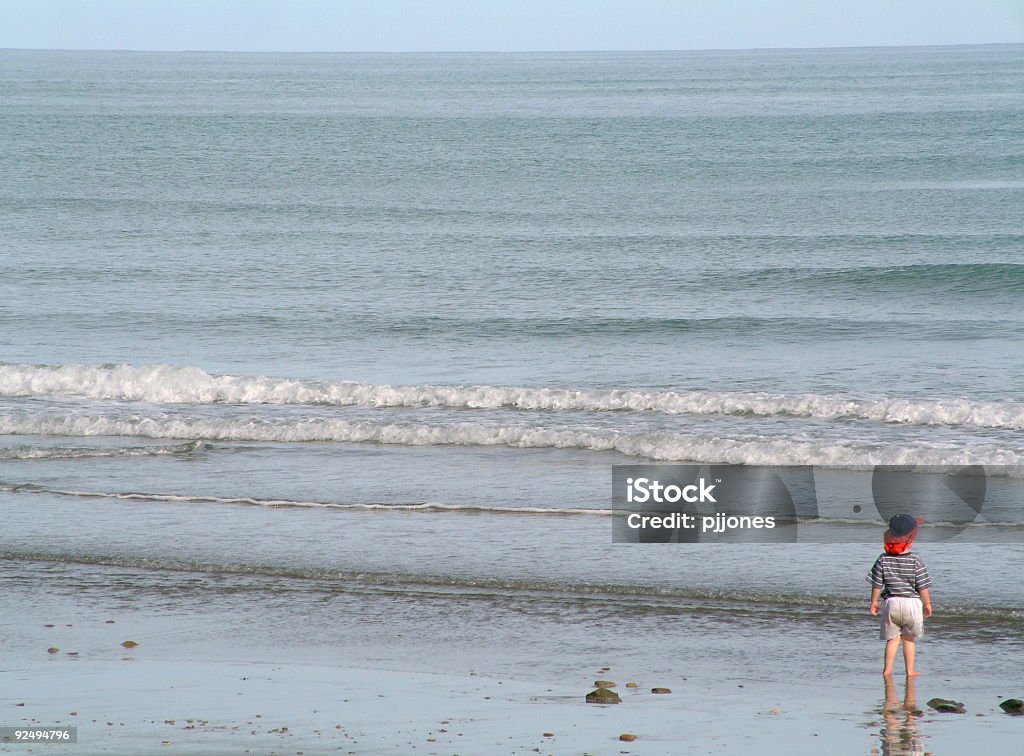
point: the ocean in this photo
(363, 335)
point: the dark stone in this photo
(947, 706)
(603, 684)
(1013, 706)
(660, 690)
(603, 696)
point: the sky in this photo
(500, 25)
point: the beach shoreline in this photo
(192, 686)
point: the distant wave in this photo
(168, 384)
(971, 278)
(798, 328)
(426, 506)
(74, 452)
(656, 446)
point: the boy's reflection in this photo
(900, 736)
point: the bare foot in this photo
(912, 673)
(887, 673)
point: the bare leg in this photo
(890, 654)
(908, 655)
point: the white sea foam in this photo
(75, 452)
(663, 446)
(167, 384)
(426, 506)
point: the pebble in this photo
(947, 706)
(1013, 706)
(603, 696)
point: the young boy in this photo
(901, 580)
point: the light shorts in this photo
(902, 616)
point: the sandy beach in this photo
(193, 685)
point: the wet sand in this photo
(174, 693)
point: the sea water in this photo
(376, 327)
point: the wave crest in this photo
(168, 384)
(662, 446)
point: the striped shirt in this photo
(902, 575)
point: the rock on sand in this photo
(1013, 706)
(946, 706)
(603, 696)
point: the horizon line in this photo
(507, 52)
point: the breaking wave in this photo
(168, 384)
(663, 446)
